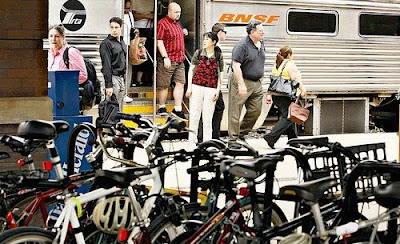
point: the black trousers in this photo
(216, 121)
(284, 126)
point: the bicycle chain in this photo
(236, 228)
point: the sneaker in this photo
(162, 111)
(127, 99)
(179, 114)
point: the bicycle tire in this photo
(93, 235)
(27, 235)
(160, 224)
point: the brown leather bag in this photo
(137, 50)
(297, 113)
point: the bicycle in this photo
(385, 195)
(189, 216)
(157, 132)
(126, 178)
(229, 225)
(32, 204)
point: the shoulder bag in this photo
(297, 113)
(137, 50)
(281, 86)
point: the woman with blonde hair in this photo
(284, 63)
(58, 45)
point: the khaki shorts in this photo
(164, 76)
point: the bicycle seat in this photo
(250, 168)
(37, 129)
(12, 141)
(121, 176)
(388, 196)
(61, 126)
(296, 142)
(310, 191)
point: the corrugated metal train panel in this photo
(342, 64)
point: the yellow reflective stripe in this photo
(78, 206)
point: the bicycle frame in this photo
(230, 209)
(69, 214)
(202, 195)
(39, 202)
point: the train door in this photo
(145, 96)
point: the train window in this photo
(312, 22)
(379, 25)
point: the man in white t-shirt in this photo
(143, 11)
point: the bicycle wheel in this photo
(164, 229)
(167, 229)
(27, 235)
(94, 236)
(277, 215)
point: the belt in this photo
(172, 62)
(253, 80)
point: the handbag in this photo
(281, 86)
(137, 50)
(297, 113)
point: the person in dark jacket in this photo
(113, 59)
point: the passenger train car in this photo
(347, 51)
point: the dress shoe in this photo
(270, 144)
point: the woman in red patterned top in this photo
(204, 84)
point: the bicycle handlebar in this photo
(202, 168)
(136, 118)
(153, 139)
(322, 142)
(240, 148)
(178, 125)
(308, 142)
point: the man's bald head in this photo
(174, 11)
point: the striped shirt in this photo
(170, 32)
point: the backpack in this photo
(90, 90)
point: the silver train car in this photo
(347, 52)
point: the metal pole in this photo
(398, 129)
(126, 56)
(155, 62)
(127, 64)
